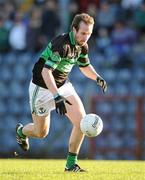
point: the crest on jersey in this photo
(41, 110)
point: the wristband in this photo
(56, 95)
(98, 78)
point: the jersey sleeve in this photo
(83, 59)
(53, 54)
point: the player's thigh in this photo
(41, 123)
(76, 111)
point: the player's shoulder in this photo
(58, 44)
(60, 39)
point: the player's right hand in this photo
(60, 104)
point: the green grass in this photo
(20, 169)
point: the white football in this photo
(91, 125)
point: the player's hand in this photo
(102, 83)
(60, 104)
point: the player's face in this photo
(83, 34)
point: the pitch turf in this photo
(20, 169)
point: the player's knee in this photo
(41, 134)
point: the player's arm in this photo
(49, 80)
(88, 70)
(91, 73)
(52, 54)
(51, 85)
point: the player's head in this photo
(82, 27)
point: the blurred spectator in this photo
(33, 37)
(64, 14)
(106, 16)
(17, 37)
(83, 4)
(125, 61)
(103, 40)
(92, 10)
(39, 2)
(4, 35)
(73, 9)
(129, 4)
(50, 20)
(123, 37)
(9, 12)
(139, 18)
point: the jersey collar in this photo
(72, 38)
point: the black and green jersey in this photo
(60, 55)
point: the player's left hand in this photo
(102, 83)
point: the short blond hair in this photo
(86, 18)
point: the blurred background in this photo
(117, 51)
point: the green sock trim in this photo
(21, 133)
(71, 160)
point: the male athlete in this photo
(50, 88)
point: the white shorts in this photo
(41, 100)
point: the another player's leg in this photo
(75, 113)
(38, 129)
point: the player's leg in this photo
(40, 109)
(38, 129)
(75, 113)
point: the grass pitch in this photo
(20, 169)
